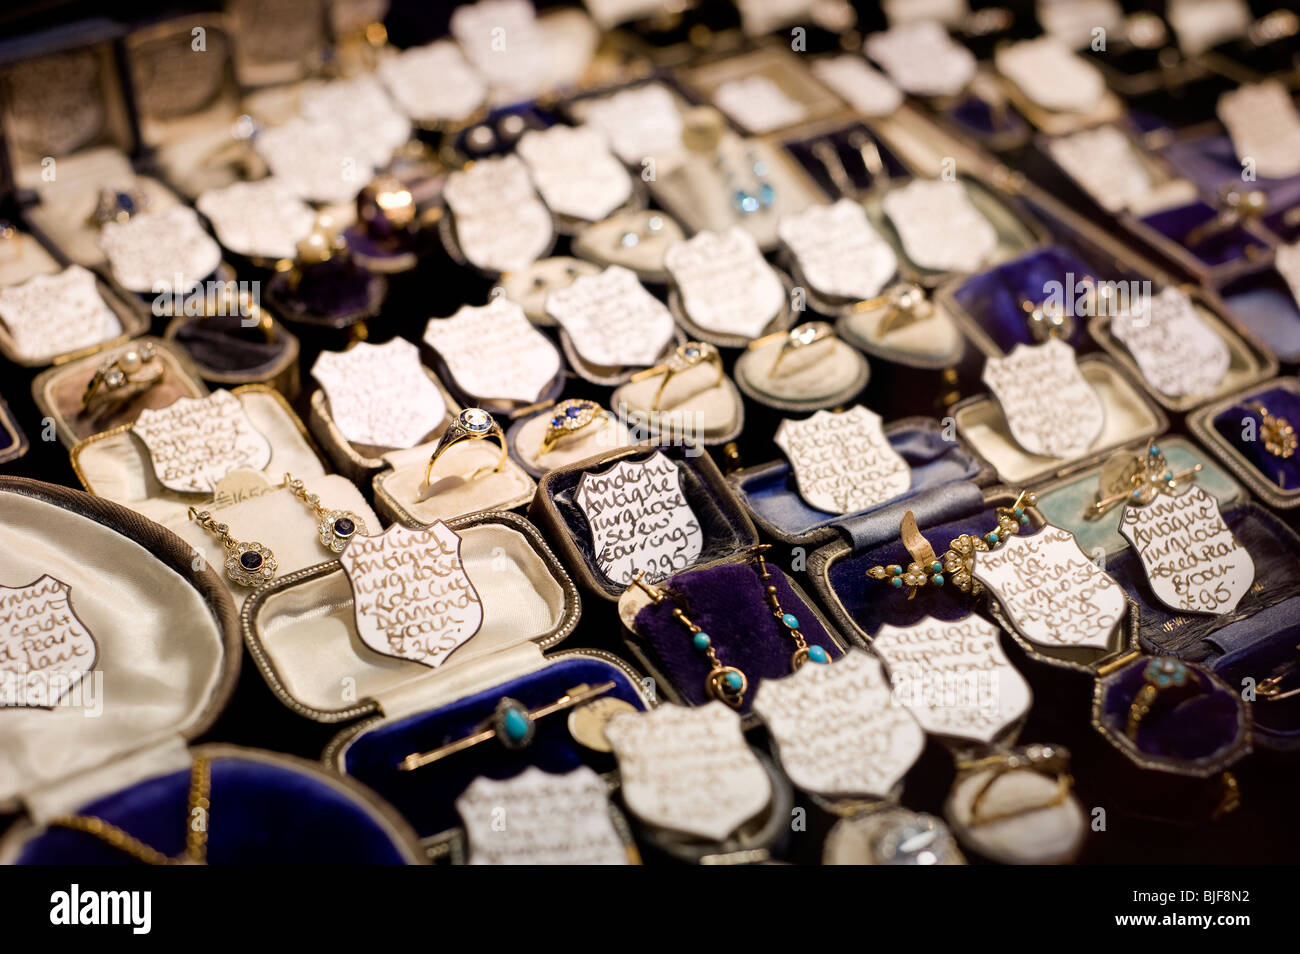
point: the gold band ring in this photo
(1161, 674)
(1049, 760)
(683, 358)
(798, 338)
(471, 424)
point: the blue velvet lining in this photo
(1264, 304)
(729, 603)
(260, 814)
(850, 158)
(1175, 224)
(1283, 472)
(772, 494)
(1275, 722)
(427, 796)
(993, 297)
(726, 528)
(1197, 728)
(1211, 163)
(872, 603)
(976, 114)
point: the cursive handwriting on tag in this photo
(726, 285)
(640, 520)
(1177, 352)
(843, 462)
(501, 224)
(194, 442)
(1193, 562)
(611, 319)
(838, 729)
(412, 597)
(689, 769)
(575, 172)
(954, 676)
(838, 250)
(1050, 407)
(537, 818)
(494, 351)
(380, 395)
(45, 649)
(49, 315)
(1053, 594)
(939, 226)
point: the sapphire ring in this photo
(118, 205)
(683, 358)
(471, 424)
(568, 417)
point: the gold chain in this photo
(296, 487)
(196, 837)
(220, 530)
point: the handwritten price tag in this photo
(1050, 407)
(380, 395)
(45, 649)
(501, 224)
(843, 463)
(611, 319)
(640, 520)
(1177, 352)
(726, 285)
(494, 351)
(413, 599)
(689, 769)
(1193, 562)
(838, 729)
(838, 250)
(939, 226)
(194, 442)
(954, 676)
(540, 819)
(48, 315)
(1054, 595)
(575, 172)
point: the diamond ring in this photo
(566, 418)
(684, 357)
(471, 424)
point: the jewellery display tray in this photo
(169, 654)
(725, 525)
(301, 632)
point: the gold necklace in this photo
(196, 838)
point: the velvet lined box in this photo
(726, 526)
(1225, 425)
(946, 474)
(301, 633)
(227, 353)
(167, 660)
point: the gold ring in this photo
(1050, 760)
(132, 369)
(471, 424)
(796, 339)
(568, 417)
(1278, 434)
(906, 302)
(683, 358)
(1160, 674)
(1272, 689)
(118, 205)
(1238, 205)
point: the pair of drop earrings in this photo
(728, 683)
(250, 563)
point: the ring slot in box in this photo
(301, 632)
(166, 659)
(228, 353)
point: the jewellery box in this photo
(1262, 302)
(13, 442)
(228, 352)
(70, 132)
(813, 373)
(723, 524)
(117, 465)
(159, 652)
(945, 473)
(1237, 432)
(301, 632)
(58, 391)
(1130, 415)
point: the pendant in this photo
(338, 527)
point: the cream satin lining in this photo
(159, 647)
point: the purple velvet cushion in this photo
(1197, 727)
(1284, 472)
(727, 601)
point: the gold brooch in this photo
(1276, 432)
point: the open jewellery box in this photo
(58, 391)
(70, 133)
(166, 659)
(1259, 634)
(860, 605)
(725, 526)
(22, 259)
(228, 352)
(116, 465)
(301, 632)
(944, 469)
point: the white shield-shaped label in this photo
(843, 463)
(689, 770)
(49, 315)
(412, 598)
(758, 104)
(838, 729)
(575, 172)
(166, 251)
(939, 226)
(1177, 352)
(640, 122)
(1051, 74)
(494, 351)
(640, 520)
(380, 395)
(1261, 119)
(1050, 407)
(537, 818)
(45, 649)
(1053, 594)
(1193, 562)
(194, 442)
(611, 319)
(264, 218)
(501, 223)
(922, 58)
(726, 285)
(838, 250)
(954, 677)
(433, 83)
(315, 159)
